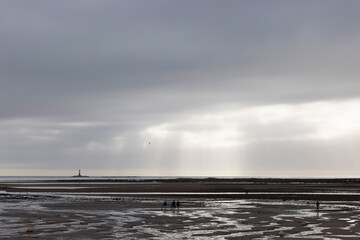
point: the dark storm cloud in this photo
(126, 65)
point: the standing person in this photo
(173, 204)
(164, 204)
(317, 205)
(178, 204)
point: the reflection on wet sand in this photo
(129, 218)
(213, 209)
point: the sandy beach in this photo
(210, 209)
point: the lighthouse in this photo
(79, 174)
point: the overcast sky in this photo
(180, 88)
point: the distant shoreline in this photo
(343, 189)
(191, 178)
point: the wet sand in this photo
(282, 189)
(209, 210)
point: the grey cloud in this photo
(133, 64)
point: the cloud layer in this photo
(215, 87)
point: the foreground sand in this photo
(60, 213)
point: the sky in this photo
(180, 88)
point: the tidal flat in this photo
(125, 210)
